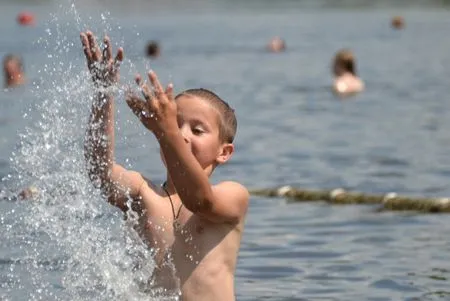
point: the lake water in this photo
(392, 138)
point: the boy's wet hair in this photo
(228, 122)
(346, 60)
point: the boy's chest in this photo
(168, 221)
(169, 225)
(165, 220)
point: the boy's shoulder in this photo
(148, 186)
(150, 195)
(233, 185)
(232, 190)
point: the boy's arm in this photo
(225, 202)
(115, 181)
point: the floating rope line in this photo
(339, 196)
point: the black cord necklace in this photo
(176, 224)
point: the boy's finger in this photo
(95, 50)
(86, 48)
(148, 95)
(157, 87)
(169, 92)
(119, 57)
(107, 51)
(145, 90)
(138, 79)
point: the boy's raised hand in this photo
(157, 110)
(103, 68)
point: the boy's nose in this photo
(185, 133)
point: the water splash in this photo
(75, 247)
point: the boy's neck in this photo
(169, 187)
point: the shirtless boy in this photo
(197, 224)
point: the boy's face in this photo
(199, 124)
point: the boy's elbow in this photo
(200, 204)
(99, 172)
(213, 214)
(100, 178)
(108, 190)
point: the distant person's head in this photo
(13, 70)
(153, 49)
(26, 18)
(276, 44)
(397, 22)
(344, 62)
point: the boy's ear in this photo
(225, 153)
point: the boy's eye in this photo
(197, 130)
